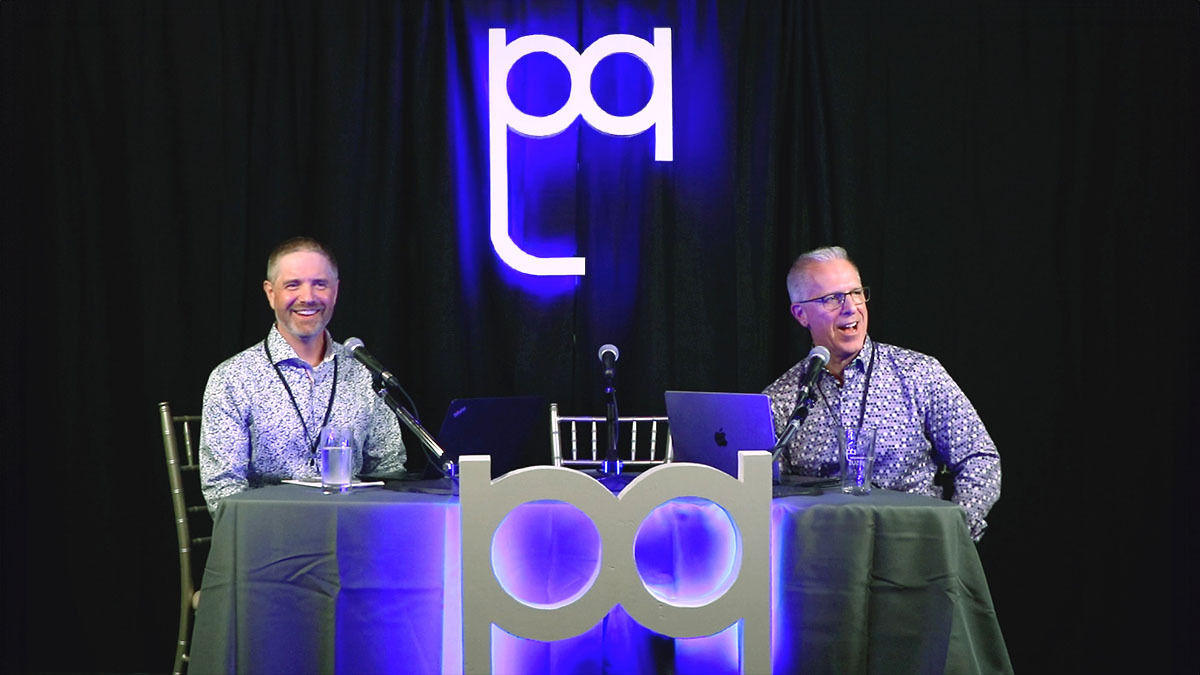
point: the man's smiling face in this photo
(303, 294)
(841, 331)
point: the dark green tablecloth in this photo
(889, 583)
(299, 582)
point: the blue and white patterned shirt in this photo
(251, 435)
(921, 418)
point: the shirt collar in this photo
(282, 351)
(864, 355)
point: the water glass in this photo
(337, 458)
(856, 455)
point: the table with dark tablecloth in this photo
(888, 583)
(368, 582)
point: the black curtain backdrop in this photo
(1015, 179)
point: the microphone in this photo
(612, 458)
(814, 362)
(359, 351)
(608, 356)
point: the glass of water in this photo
(337, 458)
(856, 455)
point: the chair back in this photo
(643, 441)
(193, 524)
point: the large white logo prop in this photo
(503, 115)
(745, 594)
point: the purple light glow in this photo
(547, 553)
(687, 552)
(452, 654)
(504, 115)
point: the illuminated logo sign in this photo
(503, 115)
(743, 595)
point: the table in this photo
(298, 581)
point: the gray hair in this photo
(797, 277)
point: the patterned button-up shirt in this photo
(922, 419)
(251, 435)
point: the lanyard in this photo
(862, 409)
(312, 442)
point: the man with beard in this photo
(265, 407)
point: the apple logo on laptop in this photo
(719, 437)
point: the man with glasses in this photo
(927, 431)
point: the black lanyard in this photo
(862, 410)
(312, 442)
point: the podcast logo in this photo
(504, 115)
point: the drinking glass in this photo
(856, 446)
(337, 458)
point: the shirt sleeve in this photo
(383, 450)
(224, 441)
(782, 394)
(963, 444)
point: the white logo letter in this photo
(744, 595)
(503, 115)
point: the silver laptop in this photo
(711, 427)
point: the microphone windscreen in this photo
(612, 349)
(353, 343)
(820, 354)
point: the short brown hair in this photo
(299, 244)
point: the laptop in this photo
(514, 430)
(711, 427)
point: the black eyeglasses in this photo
(835, 301)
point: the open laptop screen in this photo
(711, 427)
(514, 430)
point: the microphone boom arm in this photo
(794, 423)
(814, 362)
(406, 418)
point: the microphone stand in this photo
(612, 457)
(794, 423)
(431, 446)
